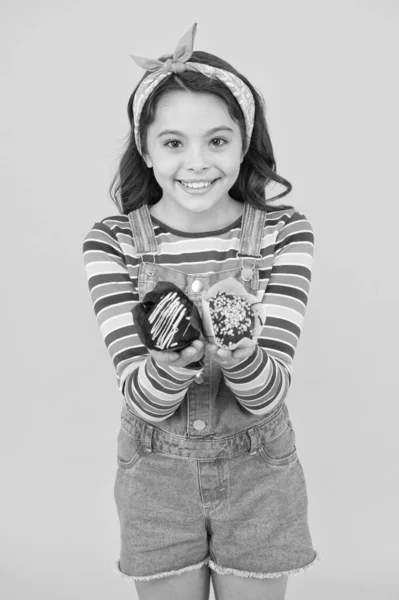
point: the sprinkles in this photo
(232, 318)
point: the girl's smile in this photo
(195, 150)
(198, 187)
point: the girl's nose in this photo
(196, 159)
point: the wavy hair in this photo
(134, 183)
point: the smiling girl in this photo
(208, 482)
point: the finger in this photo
(210, 348)
(189, 353)
(224, 354)
(164, 357)
(197, 345)
(187, 359)
(243, 353)
(217, 353)
(186, 353)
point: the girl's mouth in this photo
(199, 189)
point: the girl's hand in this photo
(183, 358)
(228, 358)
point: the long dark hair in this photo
(134, 183)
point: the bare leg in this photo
(193, 585)
(233, 587)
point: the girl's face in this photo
(194, 140)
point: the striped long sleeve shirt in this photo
(259, 382)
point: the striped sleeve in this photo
(261, 381)
(155, 392)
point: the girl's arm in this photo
(155, 391)
(262, 380)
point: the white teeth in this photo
(196, 185)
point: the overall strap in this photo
(143, 232)
(252, 226)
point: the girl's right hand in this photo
(188, 355)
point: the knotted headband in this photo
(179, 63)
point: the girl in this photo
(208, 478)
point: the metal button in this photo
(200, 377)
(246, 274)
(199, 424)
(197, 286)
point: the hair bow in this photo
(183, 52)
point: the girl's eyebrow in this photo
(175, 132)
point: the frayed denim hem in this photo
(159, 575)
(228, 571)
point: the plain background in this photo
(328, 72)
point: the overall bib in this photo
(213, 483)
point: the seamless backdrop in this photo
(327, 72)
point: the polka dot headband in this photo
(178, 64)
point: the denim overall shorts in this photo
(213, 484)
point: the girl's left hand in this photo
(228, 358)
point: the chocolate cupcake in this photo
(167, 319)
(232, 318)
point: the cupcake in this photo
(167, 319)
(232, 318)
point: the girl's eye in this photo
(219, 140)
(170, 143)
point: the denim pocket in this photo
(128, 449)
(281, 450)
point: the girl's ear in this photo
(147, 160)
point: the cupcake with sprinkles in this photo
(167, 319)
(232, 318)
